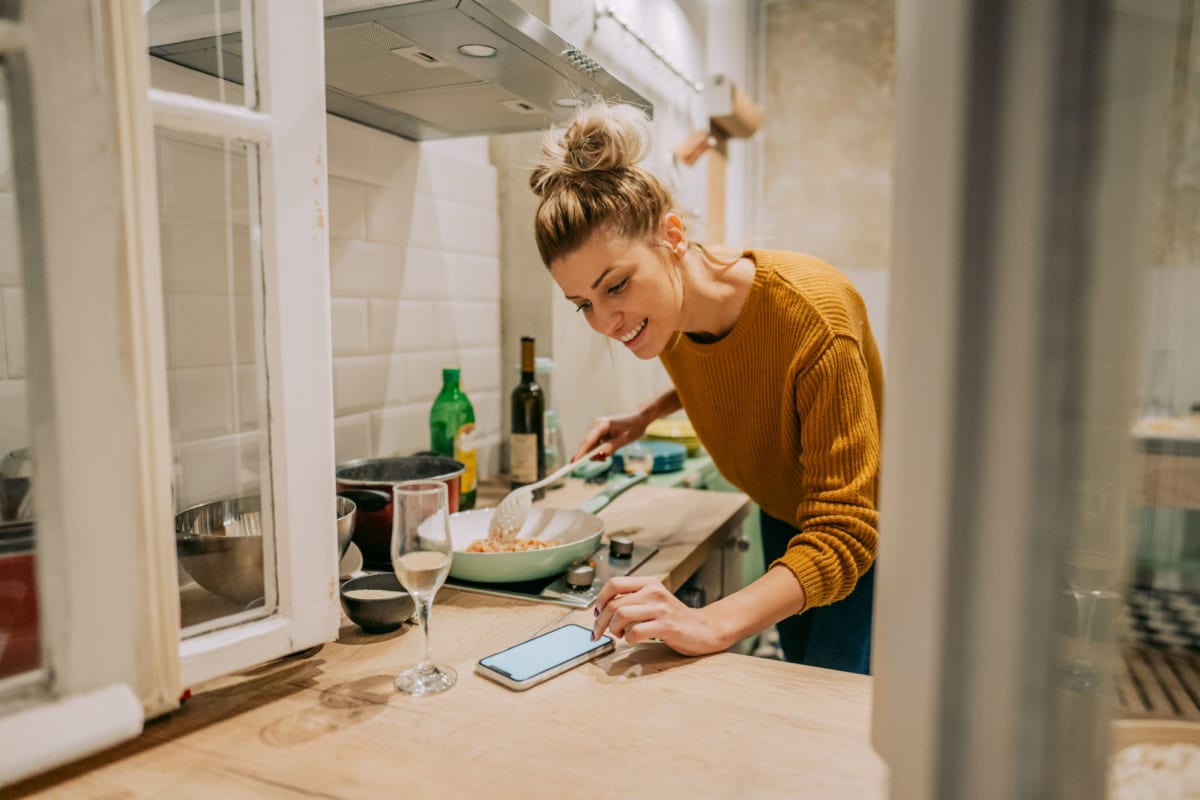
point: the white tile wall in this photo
(415, 281)
(415, 278)
(14, 424)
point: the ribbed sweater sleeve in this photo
(839, 463)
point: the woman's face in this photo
(625, 288)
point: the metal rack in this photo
(604, 10)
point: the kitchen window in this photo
(176, 349)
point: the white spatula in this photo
(513, 510)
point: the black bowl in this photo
(377, 603)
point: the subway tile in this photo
(352, 438)
(14, 416)
(347, 209)
(214, 469)
(251, 396)
(424, 373)
(10, 243)
(454, 227)
(201, 402)
(199, 330)
(248, 318)
(467, 324)
(204, 256)
(472, 277)
(487, 413)
(423, 276)
(399, 326)
(349, 322)
(370, 156)
(366, 269)
(14, 332)
(6, 176)
(363, 383)
(400, 431)
(463, 148)
(458, 180)
(391, 212)
(480, 370)
(199, 179)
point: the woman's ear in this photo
(673, 233)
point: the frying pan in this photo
(576, 535)
(575, 531)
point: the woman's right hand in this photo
(614, 433)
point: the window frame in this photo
(84, 173)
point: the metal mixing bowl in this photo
(220, 544)
(346, 512)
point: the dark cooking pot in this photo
(373, 525)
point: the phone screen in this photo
(531, 658)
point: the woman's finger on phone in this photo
(625, 618)
(649, 631)
(622, 592)
(618, 586)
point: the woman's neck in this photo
(714, 295)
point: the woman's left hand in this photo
(641, 609)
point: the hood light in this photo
(477, 50)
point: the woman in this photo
(772, 358)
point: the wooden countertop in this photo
(641, 722)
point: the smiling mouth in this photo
(632, 334)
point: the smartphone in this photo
(541, 658)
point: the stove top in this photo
(555, 589)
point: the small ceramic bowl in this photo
(376, 603)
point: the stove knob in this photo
(620, 547)
(581, 576)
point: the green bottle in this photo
(452, 432)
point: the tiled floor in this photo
(1165, 620)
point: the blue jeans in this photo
(836, 636)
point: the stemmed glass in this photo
(421, 551)
(1093, 566)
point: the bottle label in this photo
(524, 457)
(464, 451)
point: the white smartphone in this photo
(541, 658)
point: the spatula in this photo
(510, 515)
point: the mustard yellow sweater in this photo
(788, 406)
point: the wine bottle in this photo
(452, 433)
(527, 445)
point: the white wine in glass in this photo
(421, 551)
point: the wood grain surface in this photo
(640, 722)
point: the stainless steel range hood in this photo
(426, 69)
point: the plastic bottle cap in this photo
(451, 374)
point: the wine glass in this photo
(1093, 566)
(420, 551)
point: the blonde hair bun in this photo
(601, 137)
